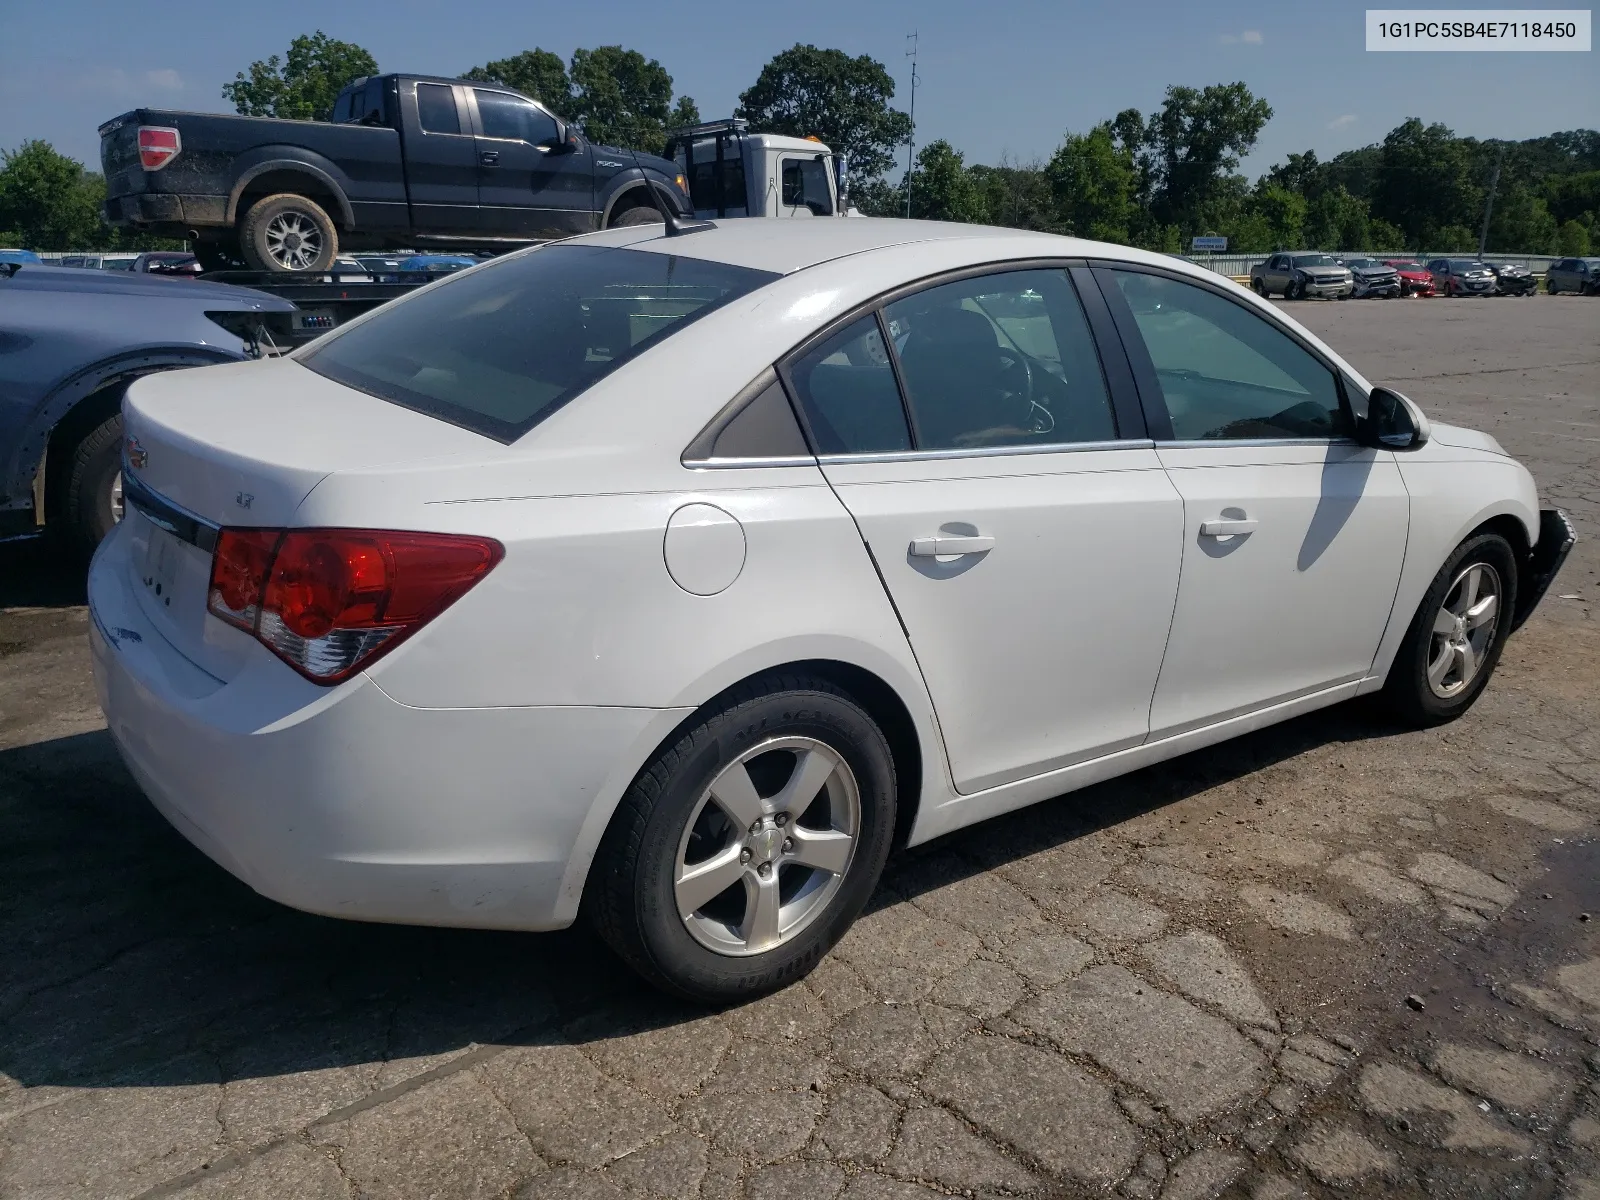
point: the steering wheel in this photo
(1042, 420)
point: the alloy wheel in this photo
(116, 497)
(1463, 630)
(767, 846)
(293, 241)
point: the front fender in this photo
(632, 179)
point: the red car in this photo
(1415, 279)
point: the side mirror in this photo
(563, 141)
(1393, 422)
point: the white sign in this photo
(1209, 243)
(1456, 29)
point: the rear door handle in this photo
(1226, 528)
(489, 158)
(930, 547)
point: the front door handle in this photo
(489, 158)
(1226, 528)
(930, 547)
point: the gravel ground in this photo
(1327, 958)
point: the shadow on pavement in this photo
(128, 958)
(40, 573)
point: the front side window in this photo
(436, 108)
(805, 182)
(1224, 371)
(512, 118)
(847, 387)
(1000, 360)
(498, 349)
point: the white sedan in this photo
(673, 578)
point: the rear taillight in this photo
(330, 601)
(158, 145)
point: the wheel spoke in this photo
(736, 795)
(811, 771)
(1469, 588)
(1440, 666)
(825, 849)
(1483, 611)
(1467, 657)
(698, 884)
(1444, 622)
(760, 926)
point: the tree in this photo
(622, 98)
(1572, 239)
(942, 190)
(1284, 215)
(844, 101)
(1018, 196)
(1193, 142)
(48, 201)
(1095, 184)
(536, 73)
(305, 86)
(1520, 221)
(1336, 220)
(684, 112)
(1425, 184)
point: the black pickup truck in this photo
(407, 160)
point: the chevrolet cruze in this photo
(671, 577)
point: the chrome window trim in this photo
(896, 456)
(725, 464)
(1214, 443)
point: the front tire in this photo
(94, 485)
(640, 215)
(288, 234)
(1455, 639)
(742, 853)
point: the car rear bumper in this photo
(345, 802)
(1556, 539)
(167, 208)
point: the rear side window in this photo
(846, 385)
(497, 349)
(436, 108)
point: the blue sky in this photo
(997, 78)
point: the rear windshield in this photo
(500, 348)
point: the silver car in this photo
(1300, 274)
(1372, 278)
(1462, 277)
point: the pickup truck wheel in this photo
(641, 215)
(1259, 288)
(94, 485)
(288, 233)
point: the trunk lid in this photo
(119, 156)
(243, 444)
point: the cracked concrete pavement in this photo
(1186, 983)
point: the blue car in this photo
(19, 256)
(71, 342)
(438, 264)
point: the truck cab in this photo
(735, 173)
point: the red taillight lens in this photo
(329, 601)
(157, 146)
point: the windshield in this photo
(499, 348)
(1405, 266)
(1314, 260)
(1467, 264)
(1362, 262)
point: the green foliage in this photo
(306, 83)
(1521, 221)
(1336, 220)
(1385, 237)
(1572, 239)
(1017, 196)
(48, 201)
(536, 73)
(1284, 214)
(1454, 239)
(1426, 186)
(941, 187)
(622, 98)
(844, 101)
(684, 112)
(1192, 143)
(1094, 182)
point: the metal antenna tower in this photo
(911, 143)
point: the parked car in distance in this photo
(439, 264)
(1462, 277)
(1581, 275)
(1513, 279)
(1300, 275)
(179, 263)
(1371, 278)
(74, 341)
(1415, 279)
(407, 160)
(100, 262)
(726, 560)
(19, 256)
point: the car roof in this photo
(783, 247)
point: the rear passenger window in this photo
(847, 387)
(1000, 360)
(436, 108)
(1225, 372)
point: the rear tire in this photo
(640, 215)
(1416, 691)
(288, 234)
(1259, 288)
(94, 485)
(691, 808)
